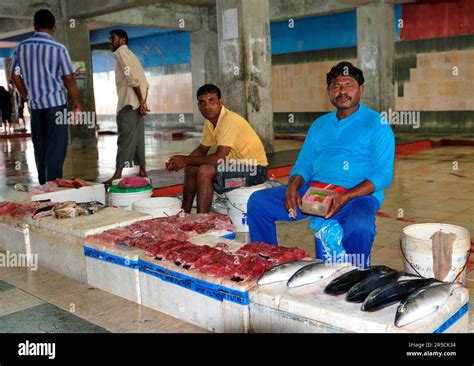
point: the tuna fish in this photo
(314, 272)
(423, 302)
(393, 292)
(362, 289)
(282, 272)
(344, 282)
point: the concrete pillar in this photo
(74, 34)
(375, 53)
(204, 59)
(245, 62)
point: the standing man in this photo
(240, 157)
(352, 147)
(132, 91)
(41, 70)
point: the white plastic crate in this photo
(14, 236)
(114, 269)
(93, 192)
(275, 308)
(217, 305)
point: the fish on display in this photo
(362, 289)
(43, 212)
(91, 207)
(344, 282)
(393, 292)
(282, 272)
(423, 302)
(314, 272)
(21, 187)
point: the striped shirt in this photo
(42, 62)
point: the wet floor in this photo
(17, 161)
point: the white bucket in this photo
(237, 204)
(125, 200)
(158, 206)
(417, 250)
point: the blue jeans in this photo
(356, 217)
(49, 142)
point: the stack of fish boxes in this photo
(219, 305)
(60, 243)
(276, 308)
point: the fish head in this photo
(411, 311)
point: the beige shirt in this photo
(129, 73)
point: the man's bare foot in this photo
(109, 181)
(142, 173)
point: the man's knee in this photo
(190, 170)
(207, 171)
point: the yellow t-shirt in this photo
(235, 132)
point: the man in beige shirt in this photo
(132, 91)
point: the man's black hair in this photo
(120, 33)
(345, 68)
(44, 19)
(209, 89)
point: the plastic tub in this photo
(158, 206)
(416, 248)
(125, 197)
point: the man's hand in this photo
(143, 109)
(292, 201)
(176, 163)
(337, 201)
(77, 115)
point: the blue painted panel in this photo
(315, 33)
(171, 48)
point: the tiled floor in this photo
(430, 186)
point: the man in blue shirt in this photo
(352, 147)
(42, 71)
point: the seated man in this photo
(352, 147)
(239, 160)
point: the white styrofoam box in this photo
(277, 308)
(217, 305)
(93, 192)
(114, 269)
(59, 243)
(14, 236)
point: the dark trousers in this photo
(49, 132)
(356, 217)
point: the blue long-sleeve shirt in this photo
(348, 151)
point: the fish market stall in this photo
(60, 190)
(59, 243)
(275, 307)
(113, 265)
(210, 291)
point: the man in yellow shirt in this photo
(239, 160)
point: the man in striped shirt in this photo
(42, 72)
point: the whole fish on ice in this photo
(362, 289)
(314, 272)
(423, 302)
(344, 282)
(282, 272)
(393, 292)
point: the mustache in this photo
(343, 96)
